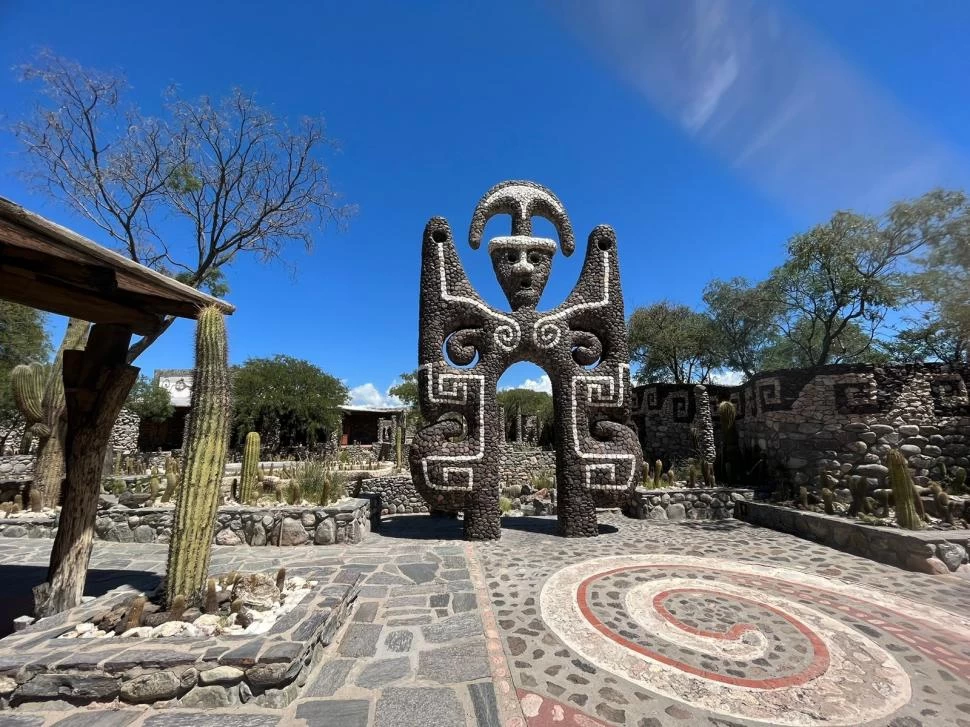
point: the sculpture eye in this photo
(512, 256)
(535, 258)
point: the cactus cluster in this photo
(904, 492)
(858, 489)
(249, 476)
(206, 450)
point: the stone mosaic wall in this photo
(124, 437)
(124, 434)
(516, 464)
(840, 419)
(345, 522)
(694, 504)
(16, 467)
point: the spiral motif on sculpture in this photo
(547, 334)
(506, 336)
(731, 637)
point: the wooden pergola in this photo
(51, 268)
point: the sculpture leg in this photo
(575, 506)
(483, 519)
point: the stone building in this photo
(369, 424)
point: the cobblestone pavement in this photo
(694, 623)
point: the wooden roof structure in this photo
(52, 268)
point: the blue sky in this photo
(705, 131)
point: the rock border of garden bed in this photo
(937, 552)
(267, 670)
(344, 523)
(691, 503)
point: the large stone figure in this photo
(465, 346)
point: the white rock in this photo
(84, 628)
(174, 628)
(138, 631)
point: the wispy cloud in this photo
(757, 87)
(543, 383)
(369, 395)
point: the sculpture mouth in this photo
(525, 283)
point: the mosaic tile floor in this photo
(694, 623)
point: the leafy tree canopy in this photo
(287, 400)
(671, 342)
(407, 392)
(149, 400)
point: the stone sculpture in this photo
(465, 345)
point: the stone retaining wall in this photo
(263, 670)
(840, 420)
(17, 467)
(124, 438)
(393, 495)
(711, 503)
(347, 521)
(517, 465)
(939, 552)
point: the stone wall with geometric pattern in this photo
(840, 419)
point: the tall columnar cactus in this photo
(27, 382)
(904, 493)
(250, 469)
(206, 446)
(658, 468)
(399, 445)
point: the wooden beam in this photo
(21, 228)
(27, 288)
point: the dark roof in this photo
(52, 268)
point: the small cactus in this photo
(154, 487)
(943, 505)
(658, 468)
(803, 497)
(177, 607)
(692, 477)
(211, 597)
(36, 501)
(904, 492)
(828, 499)
(860, 503)
(133, 617)
(236, 606)
(280, 578)
(250, 469)
(171, 482)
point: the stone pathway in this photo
(697, 623)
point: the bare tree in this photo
(235, 174)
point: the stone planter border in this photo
(346, 522)
(697, 503)
(267, 670)
(938, 552)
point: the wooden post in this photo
(96, 382)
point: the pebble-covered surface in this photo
(668, 623)
(719, 623)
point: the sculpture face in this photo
(522, 270)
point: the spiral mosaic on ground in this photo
(738, 639)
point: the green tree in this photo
(849, 272)
(528, 402)
(671, 342)
(23, 340)
(149, 400)
(744, 319)
(407, 392)
(287, 400)
(853, 345)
